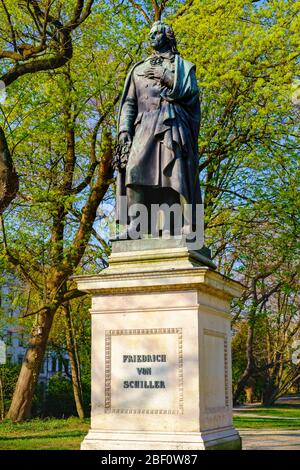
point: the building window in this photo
(21, 340)
(67, 368)
(9, 338)
(53, 362)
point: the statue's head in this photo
(162, 36)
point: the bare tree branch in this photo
(140, 9)
(9, 182)
(13, 34)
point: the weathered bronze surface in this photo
(159, 120)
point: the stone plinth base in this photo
(225, 439)
(161, 356)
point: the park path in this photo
(259, 415)
(270, 439)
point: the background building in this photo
(16, 338)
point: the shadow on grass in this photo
(278, 406)
(46, 436)
(285, 405)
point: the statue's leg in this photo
(187, 226)
(171, 221)
(135, 195)
(173, 200)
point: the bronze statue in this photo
(158, 129)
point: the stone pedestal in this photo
(161, 360)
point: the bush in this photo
(56, 398)
(59, 400)
(9, 375)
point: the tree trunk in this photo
(20, 407)
(249, 389)
(74, 362)
(9, 183)
(243, 382)
(1, 396)
(269, 393)
(62, 267)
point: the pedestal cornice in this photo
(123, 281)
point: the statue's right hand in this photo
(124, 138)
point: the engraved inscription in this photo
(144, 371)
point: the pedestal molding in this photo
(120, 282)
(226, 438)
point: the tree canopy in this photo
(64, 64)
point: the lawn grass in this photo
(266, 417)
(67, 434)
(48, 434)
(241, 422)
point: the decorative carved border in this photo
(219, 334)
(227, 402)
(153, 331)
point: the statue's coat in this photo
(164, 124)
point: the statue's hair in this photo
(168, 30)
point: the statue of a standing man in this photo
(159, 120)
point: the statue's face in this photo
(158, 38)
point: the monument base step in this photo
(157, 253)
(221, 439)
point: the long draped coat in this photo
(164, 125)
